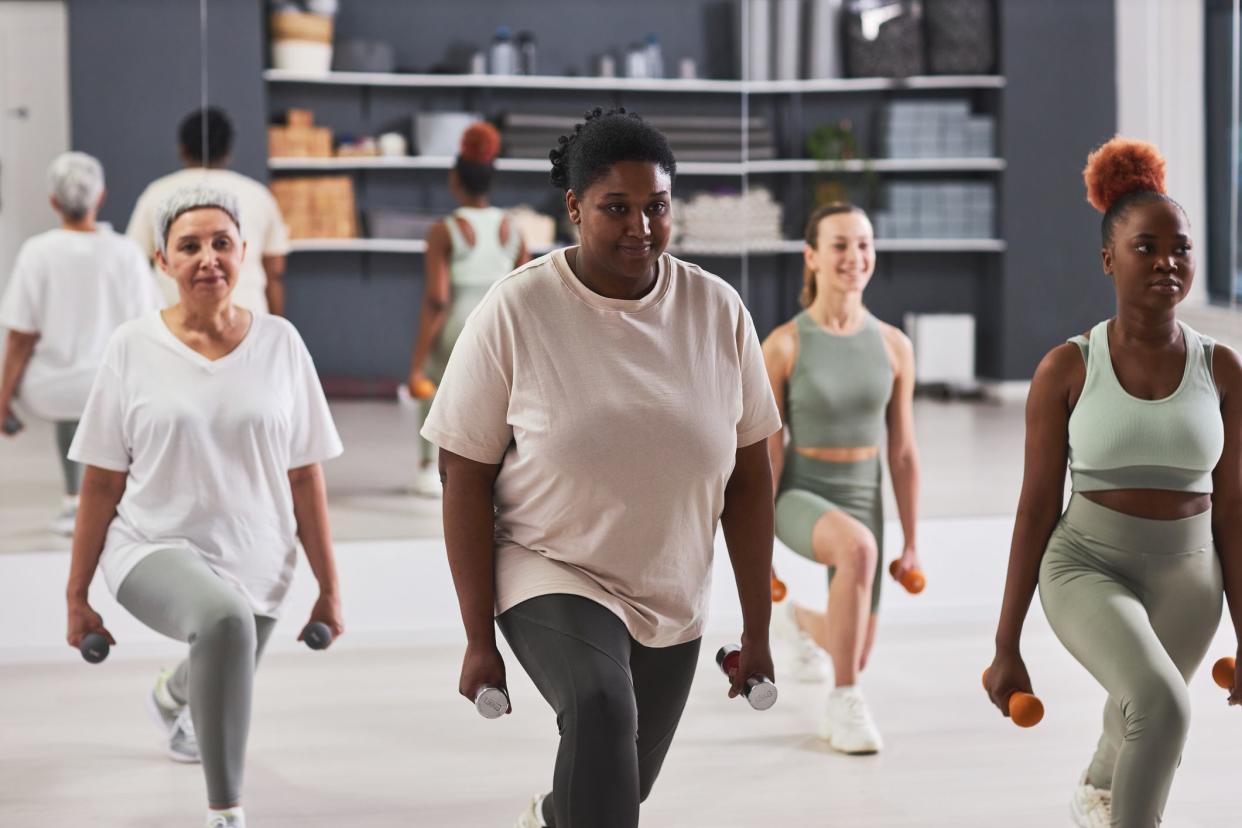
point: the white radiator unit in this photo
(944, 349)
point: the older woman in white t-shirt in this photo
(69, 290)
(202, 440)
(605, 407)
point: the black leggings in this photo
(617, 704)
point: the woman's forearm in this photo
(469, 527)
(310, 509)
(748, 523)
(776, 458)
(430, 323)
(101, 492)
(1227, 537)
(904, 469)
(1030, 537)
(17, 355)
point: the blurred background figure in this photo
(205, 143)
(69, 290)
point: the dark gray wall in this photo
(134, 74)
(1218, 43)
(1060, 103)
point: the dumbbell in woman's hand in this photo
(912, 579)
(94, 647)
(317, 635)
(759, 690)
(1025, 710)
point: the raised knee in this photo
(1162, 708)
(859, 557)
(602, 713)
(228, 625)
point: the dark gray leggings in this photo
(176, 593)
(617, 704)
(65, 429)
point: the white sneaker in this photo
(182, 740)
(810, 664)
(529, 817)
(64, 522)
(427, 483)
(232, 818)
(847, 725)
(1091, 807)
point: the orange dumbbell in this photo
(913, 580)
(1025, 710)
(779, 590)
(424, 389)
(1223, 672)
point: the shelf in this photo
(418, 246)
(811, 86)
(538, 165)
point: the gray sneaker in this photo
(174, 722)
(227, 819)
(182, 741)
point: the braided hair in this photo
(1122, 174)
(603, 139)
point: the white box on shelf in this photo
(944, 348)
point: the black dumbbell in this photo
(317, 635)
(12, 425)
(94, 647)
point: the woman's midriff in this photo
(1152, 504)
(849, 454)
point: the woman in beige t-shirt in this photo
(604, 407)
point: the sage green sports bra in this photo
(1118, 441)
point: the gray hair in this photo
(75, 181)
(194, 197)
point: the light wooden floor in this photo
(372, 734)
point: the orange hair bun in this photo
(1122, 166)
(480, 143)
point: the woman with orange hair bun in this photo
(469, 251)
(1147, 413)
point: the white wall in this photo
(1160, 98)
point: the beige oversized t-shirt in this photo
(615, 423)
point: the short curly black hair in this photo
(603, 139)
(219, 135)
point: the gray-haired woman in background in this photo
(202, 440)
(69, 290)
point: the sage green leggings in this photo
(1137, 602)
(811, 488)
(176, 593)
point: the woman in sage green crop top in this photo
(845, 384)
(1147, 414)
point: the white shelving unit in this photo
(733, 87)
(538, 165)
(418, 246)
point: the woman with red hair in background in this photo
(469, 251)
(1148, 415)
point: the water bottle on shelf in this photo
(655, 58)
(503, 56)
(527, 53)
(636, 61)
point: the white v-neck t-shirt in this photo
(207, 445)
(616, 425)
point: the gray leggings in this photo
(1137, 602)
(176, 593)
(65, 429)
(617, 705)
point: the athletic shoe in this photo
(847, 725)
(1091, 807)
(810, 663)
(182, 740)
(427, 483)
(529, 817)
(64, 522)
(232, 818)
